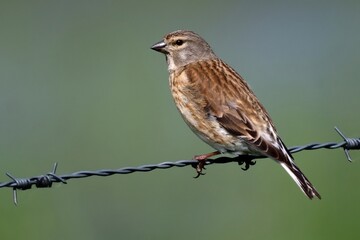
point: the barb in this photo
(46, 181)
(350, 143)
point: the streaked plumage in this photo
(219, 107)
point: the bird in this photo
(219, 106)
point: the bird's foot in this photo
(199, 167)
(201, 162)
(247, 160)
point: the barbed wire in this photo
(46, 180)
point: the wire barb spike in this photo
(19, 183)
(350, 143)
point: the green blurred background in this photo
(80, 86)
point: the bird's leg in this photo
(201, 162)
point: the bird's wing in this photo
(259, 136)
(230, 100)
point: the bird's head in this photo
(182, 48)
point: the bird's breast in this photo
(185, 99)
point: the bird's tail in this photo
(299, 178)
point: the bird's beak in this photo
(160, 47)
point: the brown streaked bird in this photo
(219, 106)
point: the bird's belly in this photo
(218, 138)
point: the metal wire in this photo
(46, 181)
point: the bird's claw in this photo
(202, 161)
(248, 163)
(199, 167)
(199, 174)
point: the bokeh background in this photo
(80, 86)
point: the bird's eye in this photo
(179, 42)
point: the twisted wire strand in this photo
(46, 181)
